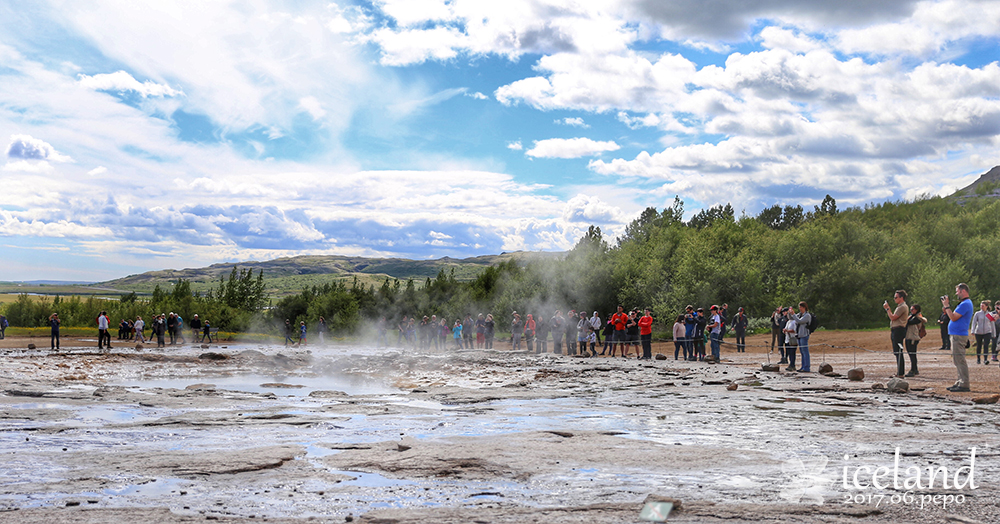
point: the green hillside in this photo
(292, 274)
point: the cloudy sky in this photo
(185, 133)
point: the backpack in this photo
(813, 322)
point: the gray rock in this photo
(898, 385)
(825, 368)
(770, 367)
(856, 374)
(661, 356)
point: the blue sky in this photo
(182, 134)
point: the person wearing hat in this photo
(740, 323)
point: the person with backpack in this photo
(804, 324)
(915, 330)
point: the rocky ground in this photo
(245, 432)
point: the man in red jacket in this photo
(619, 320)
(646, 334)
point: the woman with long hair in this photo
(914, 324)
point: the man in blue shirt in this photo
(958, 330)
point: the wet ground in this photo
(338, 434)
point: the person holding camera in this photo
(897, 329)
(958, 329)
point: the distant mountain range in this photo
(292, 274)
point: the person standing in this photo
(595, 324)
(583, 331)
(690, 327)
(609, 335)
(914, 324)
(195, 328)
(516, 331)
(996, 327)
(139, 326)
(54, 324)
(529, 333)
(679, 344)
(180, 330)
(739, 324)
(570, 326)
(620, 321)
(206, 331)
(456, 332)
(802, 321)
(982, 327)
(715, 333)
(289, 332)
(791, 337)
(160, 327)
(958, 329)
(480, 331)
(541, 335)
(489, 327)
(779, 319)
(897, 328)
(699, 333)
(172, 328)
(321, 330)
(302, 332)
(469, 331)
(646, 334)
(3, 327)
(103, 323)
(558, 329)
(943, 322)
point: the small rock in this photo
(212, 356)
(898, 385)
(32, 346)
(733, 387)
(825, 368)
(661, 356)
(204, 346)
(878, 386)
(856, 374)
(138, 347)
(72, 503)
(658, 498)
(405, 443)
(770, 367)
(322, 393)
(991, 399)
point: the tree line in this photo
(843, 262)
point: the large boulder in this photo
(897, 385)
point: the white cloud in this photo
(26, 147)
(590, 209)
(28, 167)
(515, 146)
(780, 38)
(575, 122)
(99, 170)
(122, 81)
(312, 106)
(570, 148)
(477, 95)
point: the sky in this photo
(175, 134)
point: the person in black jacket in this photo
(195, 327)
